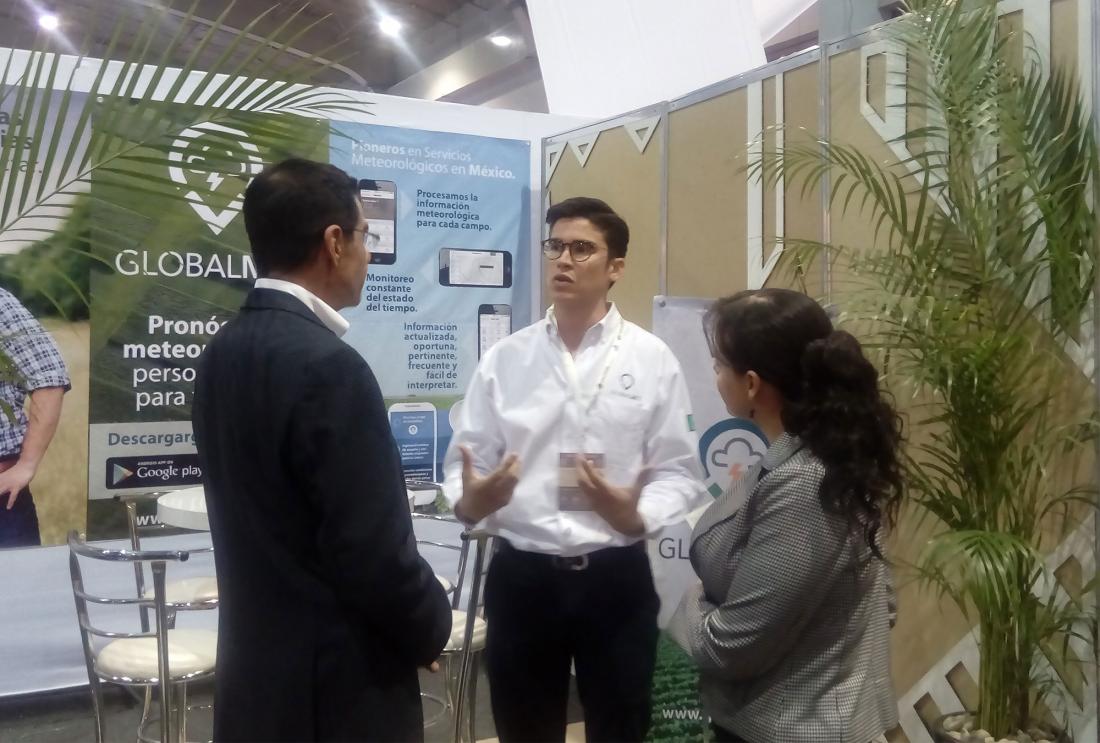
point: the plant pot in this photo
(947, 727)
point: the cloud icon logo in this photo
(738, 450)
(727, 449)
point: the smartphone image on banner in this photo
(414, 429)
(494, 323)
(379, 200)
(475, 268)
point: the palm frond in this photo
(70, 127)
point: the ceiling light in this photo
(390, 26)
(501, 41)
(48, 22)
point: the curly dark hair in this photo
(831, 398)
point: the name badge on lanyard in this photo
(570, 495)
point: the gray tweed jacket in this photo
(790, 625)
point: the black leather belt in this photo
(576, 563)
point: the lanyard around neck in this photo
(570, 366)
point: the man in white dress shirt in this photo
(575, 444)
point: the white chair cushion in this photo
(189, 590)
(447, 585)
(458, 632)
(189, 651)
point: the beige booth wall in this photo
(801, 212)
(630, 181)
(708, 189)
(707, 210)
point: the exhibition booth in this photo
(456, 195)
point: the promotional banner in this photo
(727, 446)
(170, 273)
(448, 227)
(449, 217)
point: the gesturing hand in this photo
(617, 506)
(483, 496)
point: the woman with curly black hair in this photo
(790, 623)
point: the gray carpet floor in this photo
(66, 716)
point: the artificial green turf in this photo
(677, 715)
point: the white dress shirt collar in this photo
(328, 316)
(600, 331)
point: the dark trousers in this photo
(19, 526)
(542, 614)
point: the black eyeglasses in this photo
(580, 250)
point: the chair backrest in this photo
(157, 560)
(462, 548)
(132, 503)
(483, 543)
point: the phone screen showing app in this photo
(380, 210)
(414, 431)
(477, 268)
(492, 329)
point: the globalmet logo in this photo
(191, 158)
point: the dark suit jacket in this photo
(326, 608)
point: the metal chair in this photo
(188, 593)
(454, 590)
(142, 659)
(474, 635)
(461, 656)
(181, 595)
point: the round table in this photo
(185, 509)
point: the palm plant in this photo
(976, 282)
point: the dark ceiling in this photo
(365, 57)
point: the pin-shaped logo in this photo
(228, 162)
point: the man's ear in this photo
(332, 245)
(616, 270)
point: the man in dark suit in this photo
(327, 609)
